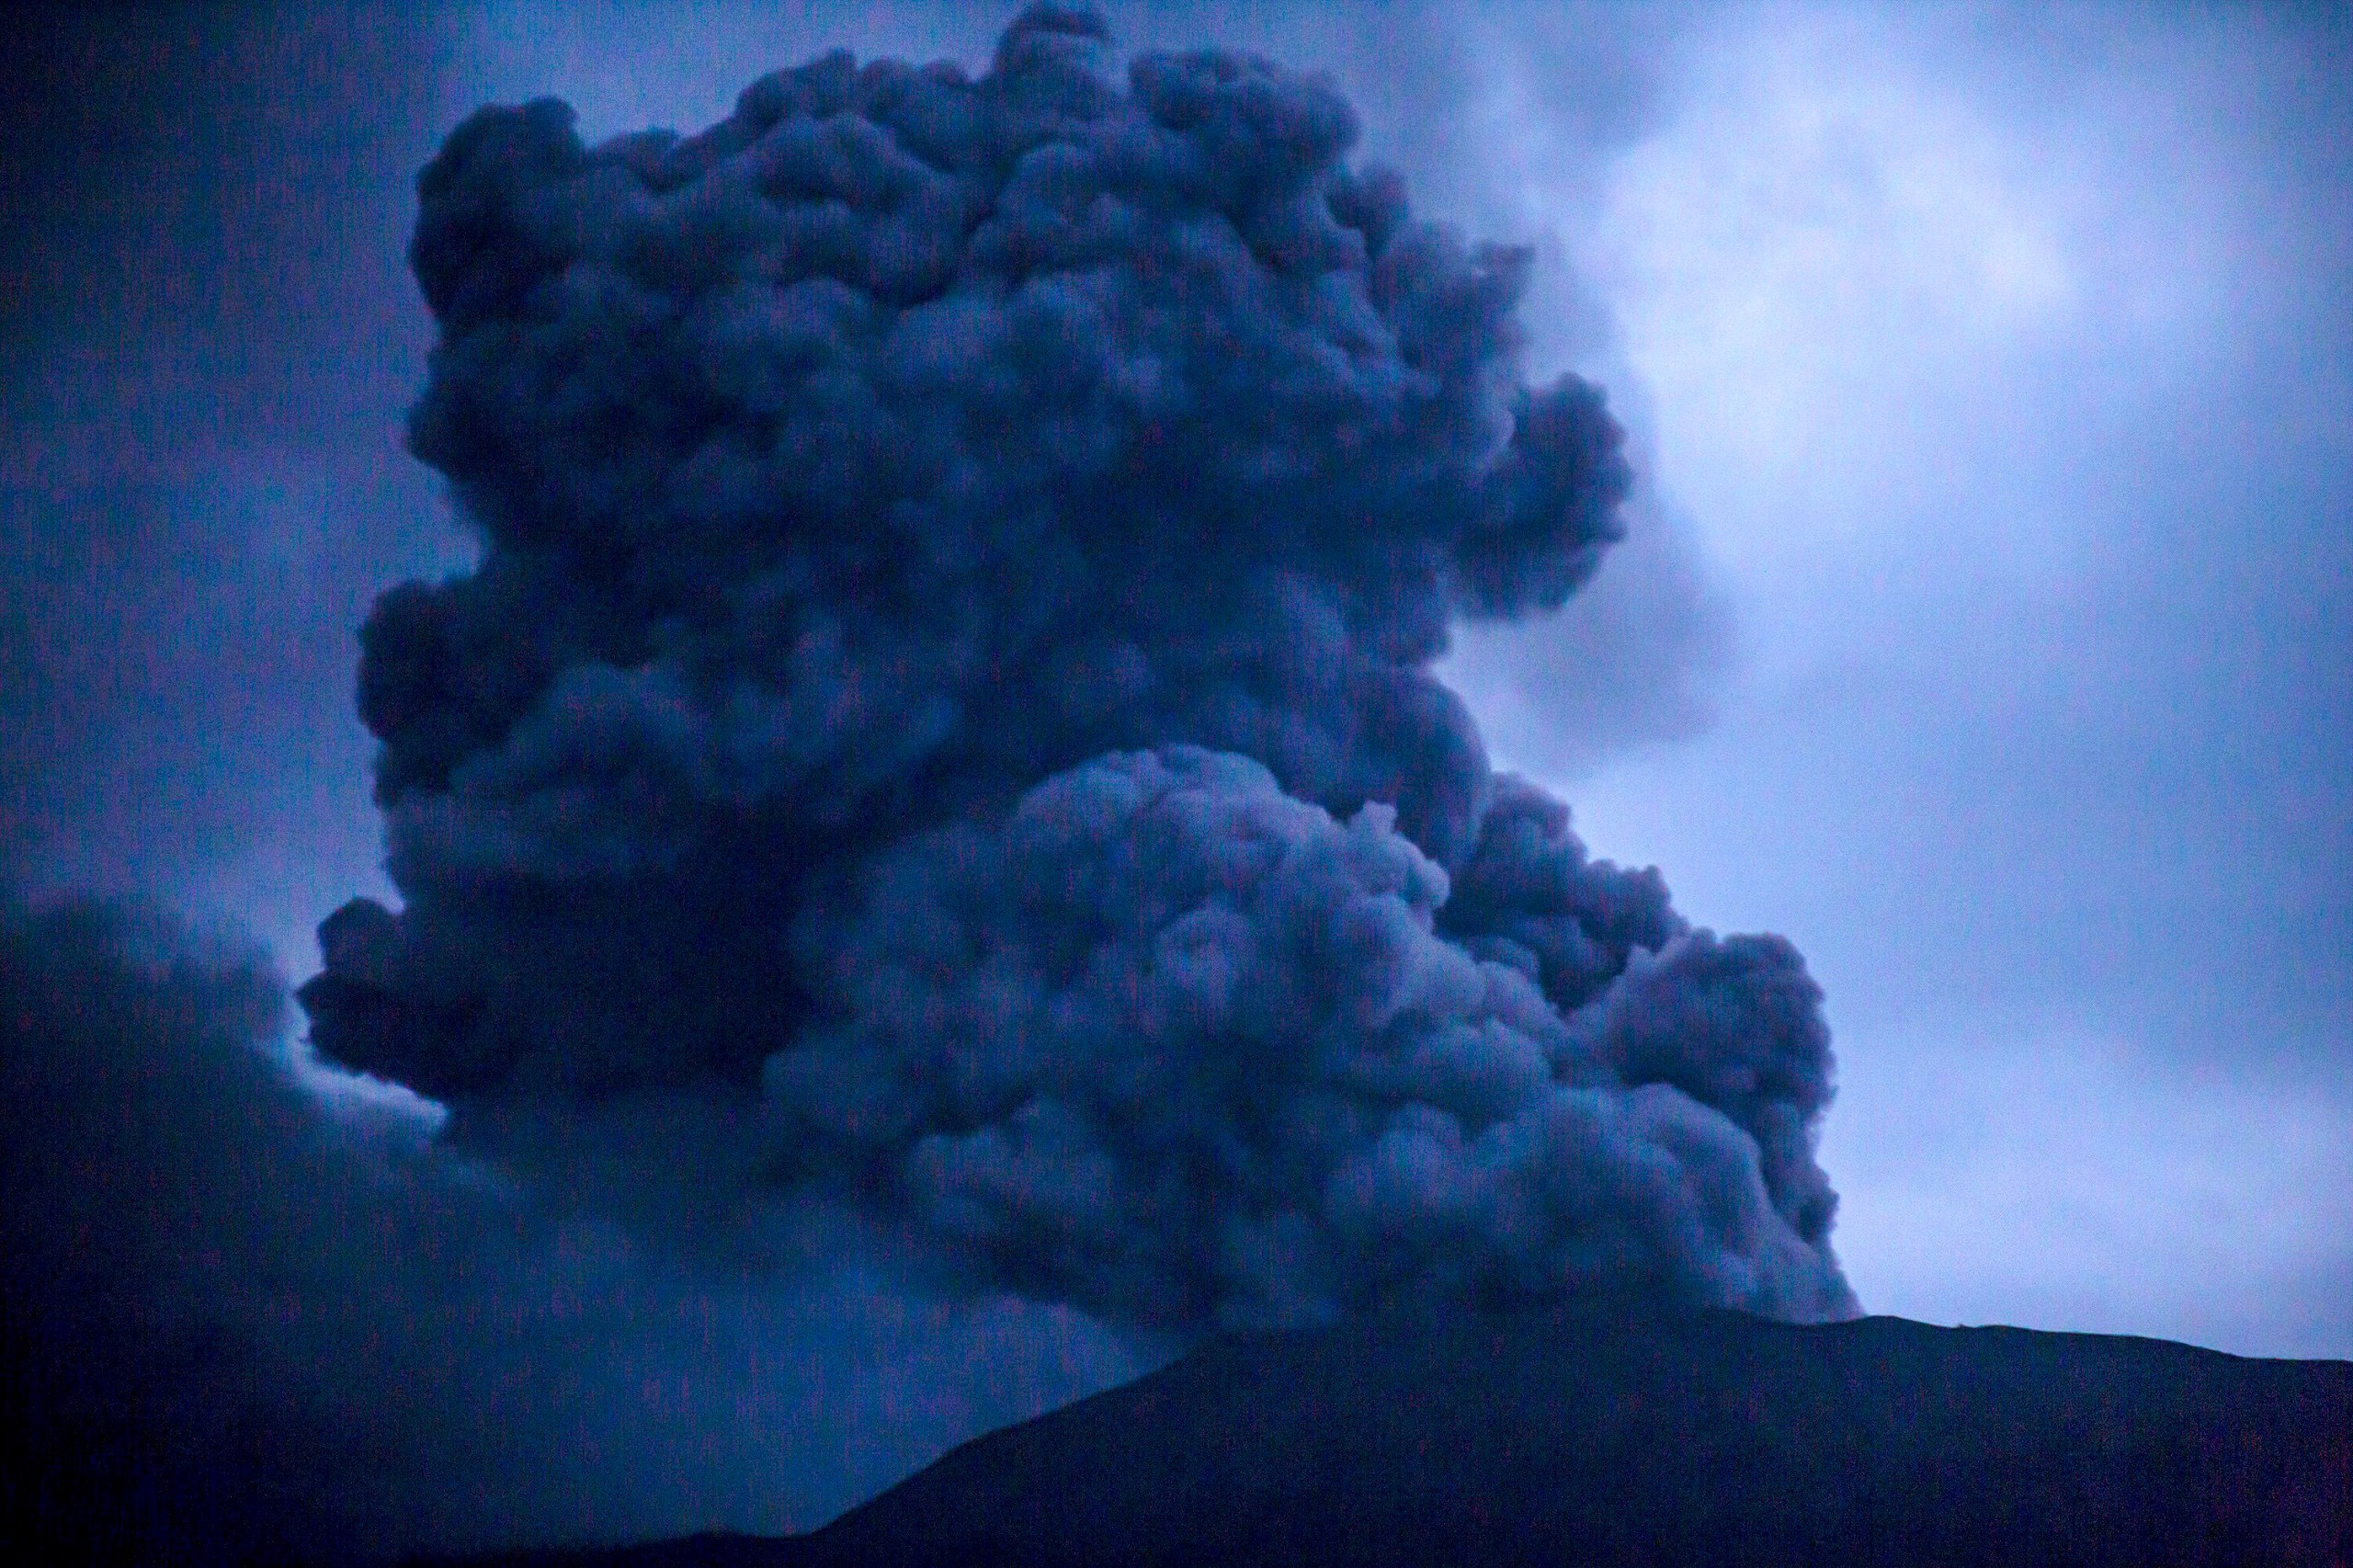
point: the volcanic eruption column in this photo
(949, 665)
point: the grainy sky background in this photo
(1987, 630)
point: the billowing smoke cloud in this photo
(948, 683)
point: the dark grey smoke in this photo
(249, 1311)
(949, 663)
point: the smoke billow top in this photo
(947, 683)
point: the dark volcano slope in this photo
(1633, 1435)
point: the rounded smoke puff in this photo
(950, 655)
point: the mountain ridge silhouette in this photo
(1614, 1431)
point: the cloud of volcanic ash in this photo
(947, 689)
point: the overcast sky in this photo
(1987, 628)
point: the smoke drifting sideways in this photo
(946, 700)
(252, 1311)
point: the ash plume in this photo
(947, 681)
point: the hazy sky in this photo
(1987, 629)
